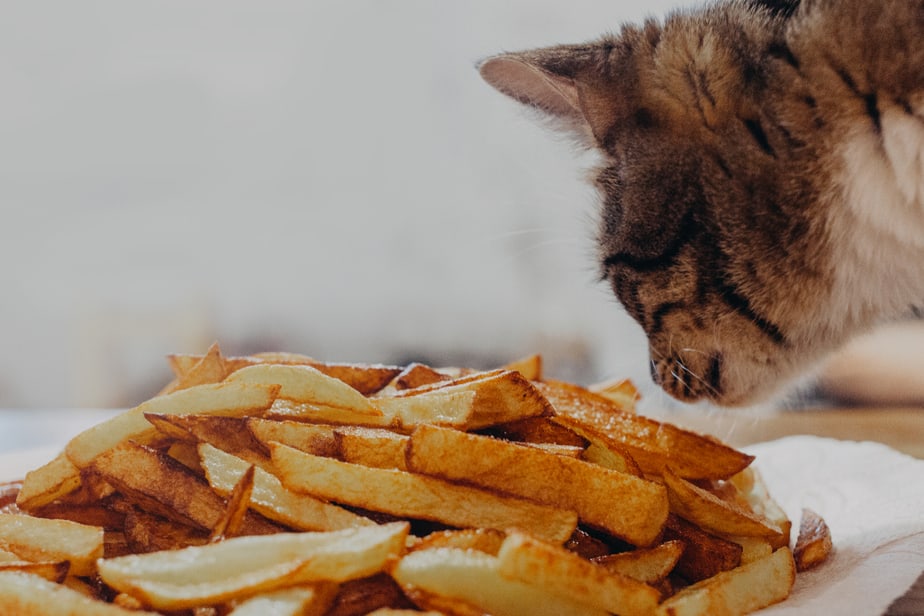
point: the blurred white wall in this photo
(325, 177)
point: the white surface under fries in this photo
(871, 496)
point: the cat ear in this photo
(547, 80)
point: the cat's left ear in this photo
(557, 81)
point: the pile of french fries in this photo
(277, 484)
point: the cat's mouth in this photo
(719, 377)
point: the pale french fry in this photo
(244, 566)
(487, 540)
(645, 565)
(51, 571)
(271, 499)
(499, 396)
(712, 513)
(48, 483)
(307, 385)
(742, 590)
(40, 539)
(308, 600)
(652, 444)
(23, 594)
(623, 505)
(367, 379)
(762, 504)
(415, 496)
(813, 545)
(474, 578)
(233, 399)
(564, 573)
(285, 409)
(752, 548)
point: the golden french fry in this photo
(307, 600)
(367, 594)
(229, 434)
(539, 430)
(271, 499)
(372, 447)
(704, 554)
(564, 573)
(813, 545)
(418, 375)
(474, 578)
(742, 590)
(752, 548)
(712, 513)
(623, 505)
(487, 540)
(24, 594)
(602, 449)
(530, 367)
(230, 523)
(234, 399)
(652, 444)
(416, 496)
(39, 539)
(313, 438)
(244, 566)
(163, 486)
(649, 565)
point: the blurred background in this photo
(331, 178)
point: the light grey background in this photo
(331, 178)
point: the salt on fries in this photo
(276, 483)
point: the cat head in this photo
(708, 231)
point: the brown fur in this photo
(725, 191)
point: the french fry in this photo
(530, 367)
(244, 566)
(145, 532)
(367, 594)
(538, 430)
(649, 565)
(652, 444)
(165, 487)
(210, 368)
(712, 513)
(372, 447)
(742, 590)
(230, 523)
(306, 385)
(318, 439)
(621, 391)
(234, 399)
(474, 578)
(487, 540)
(566, 574)
(623, 505)
(601, 449)
(704, 554)
(24, 594)
(470, 402)
(762, 504)
(230, 434)
(813, 545)
(415, 496)
(48, 483)
(367, 379)
(307, 600)
(418, 375)
(39, 539)
(271, 499)
(51, 571)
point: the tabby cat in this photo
(762, 178)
